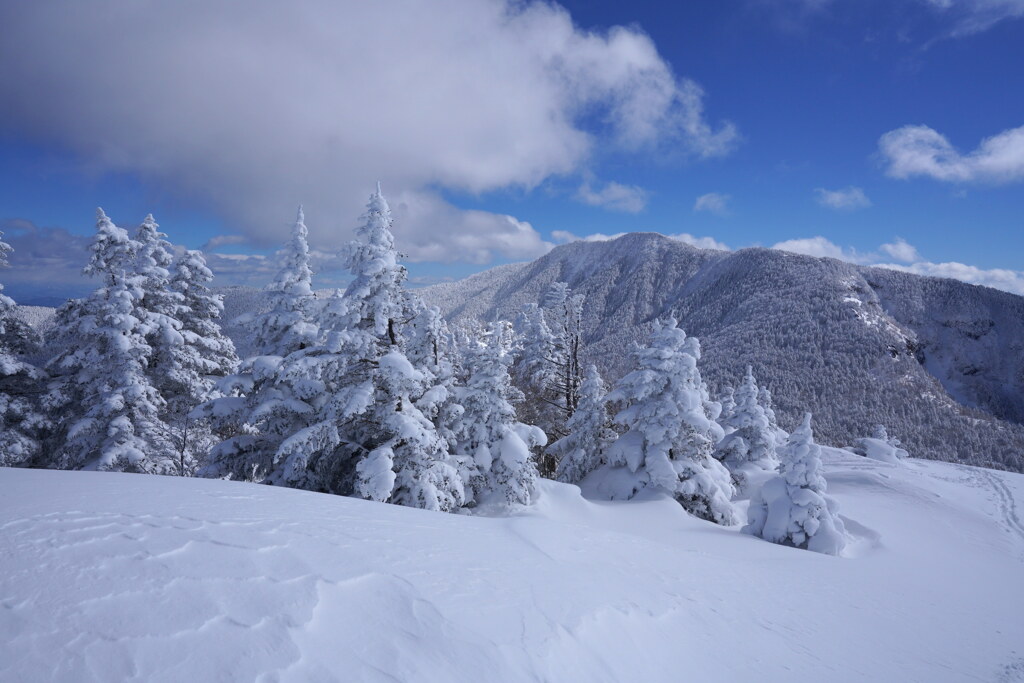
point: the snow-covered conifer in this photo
(535, 372)
(728, 402)
(489, 432)
(288, 323)
(880, 446)
(792, 508)
(21, 423)
(564, 313)
(669, 435)
(112, 251)
(202, 312)
(750, 440)
(106, 413)
(590, 432)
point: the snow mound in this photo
(128, 577)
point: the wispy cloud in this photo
(846, 199)
(614, 196)
(913, 151)
(713, 202)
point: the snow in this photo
(109, 576)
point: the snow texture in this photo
(108, 577)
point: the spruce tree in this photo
(751, 440)
(289, 324)
(106, 413)
(21, 422)
(590, 433)
(792, 508)
(502, 468)
(669, 435)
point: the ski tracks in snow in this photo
(1001, 495)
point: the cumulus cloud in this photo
(998, 278)
(701, 242)
(253, 106)
(713, 202)
(922, 151)
(901, 250)
(846, 199)
(615, 196)
(823, 248)
(563, 236)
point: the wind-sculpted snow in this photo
(108, 577)
(939, 362)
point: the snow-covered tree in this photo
(273, 395)
(112, 251)
(564, 312)
(288, 324)
(346, 415)
(21, 423)
(728, 402)
(750, 440)
(880, 446)
(432, 348)
(792, 508)
(669, 436)
(201, 315)
(106, 413)
(489, 433)
(590, 432)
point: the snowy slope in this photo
(126, 577)
(940, 362)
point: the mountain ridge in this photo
(939, 361)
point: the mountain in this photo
(938, 361)
(110, 577)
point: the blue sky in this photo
(879, 132)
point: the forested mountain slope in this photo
(939, 361)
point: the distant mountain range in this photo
(938, 361)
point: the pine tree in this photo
(112, 251)
(669, 435)
(201, 355)
(288, 324)
(750, 440)
(792, 508)
(106, 414)
(201, 313)
(590, 433)
(21, 423)
(499, 445)
(262, 410)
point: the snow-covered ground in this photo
(130, 577)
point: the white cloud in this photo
(998, 278)
(822, 247)
(922, 151)
(701, 242)
(974, 16)
(614, 196)
(713, 202)
(253, 106)
(847, 199)
(901, 250)
(563, 236)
